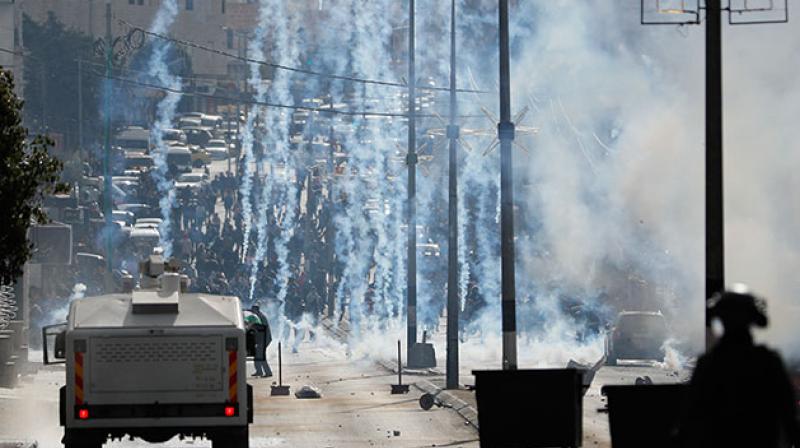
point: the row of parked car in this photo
(197, 140)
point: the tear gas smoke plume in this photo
(585, 229)
(274, 16)
(608, 191)
(256, 81)
(761, 98)
(368, 238)
(598, 191)
(165, 116)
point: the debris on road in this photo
(308, 392)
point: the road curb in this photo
(447, 399)
(464, 409)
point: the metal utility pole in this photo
(453, 303)
(107, 138)
(80, 104)
(411, 160)
(228, 139)
(505, 133)
(43, 84)
(330, 230)
(715, 211)
(715, 216)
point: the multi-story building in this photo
(11, 41)
(224, 25)
(219, 24)
(211, 23)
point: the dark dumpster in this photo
(645, 415)
(529, 408)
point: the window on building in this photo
(229, 37)
(223, 6)
(131, 2)
(140, 2)
(189, 5)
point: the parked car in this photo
(174, 135)
(636, 335)
(190, 114)
(217, 149)
(147, 223)
(123, 216)
(187, 122)
(191, 181)
(156, 221)
(133, 138)
(179, 159)
(138, 161)
(138, 210)
(198, 135)
(144, 240)
(211, 121)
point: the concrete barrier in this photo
(20, 344)
(7, 366)
(10, 375)
(6, 346)
(18, 332)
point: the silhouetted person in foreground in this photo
(740, 394)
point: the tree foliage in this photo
(27, 174)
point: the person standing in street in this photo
(263, 337)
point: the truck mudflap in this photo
(62, 405)
(249, 404)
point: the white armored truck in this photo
(154, 363)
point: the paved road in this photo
(356, 410)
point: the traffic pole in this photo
(715, 216)
(411, 160)
(107, 140)
(453, 303)
(505, 133)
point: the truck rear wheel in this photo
(232, 438)
(82, 440)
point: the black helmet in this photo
(738, 307)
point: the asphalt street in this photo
(356, 409)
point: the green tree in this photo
(27, 174)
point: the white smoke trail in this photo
(165, 115)
(256, 81)
(579, 234)
(246, 185)
(368, 240)
(274, 16)
(263, 205)
(55, 314)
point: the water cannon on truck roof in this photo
(153, 363)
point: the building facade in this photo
(11, 41)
